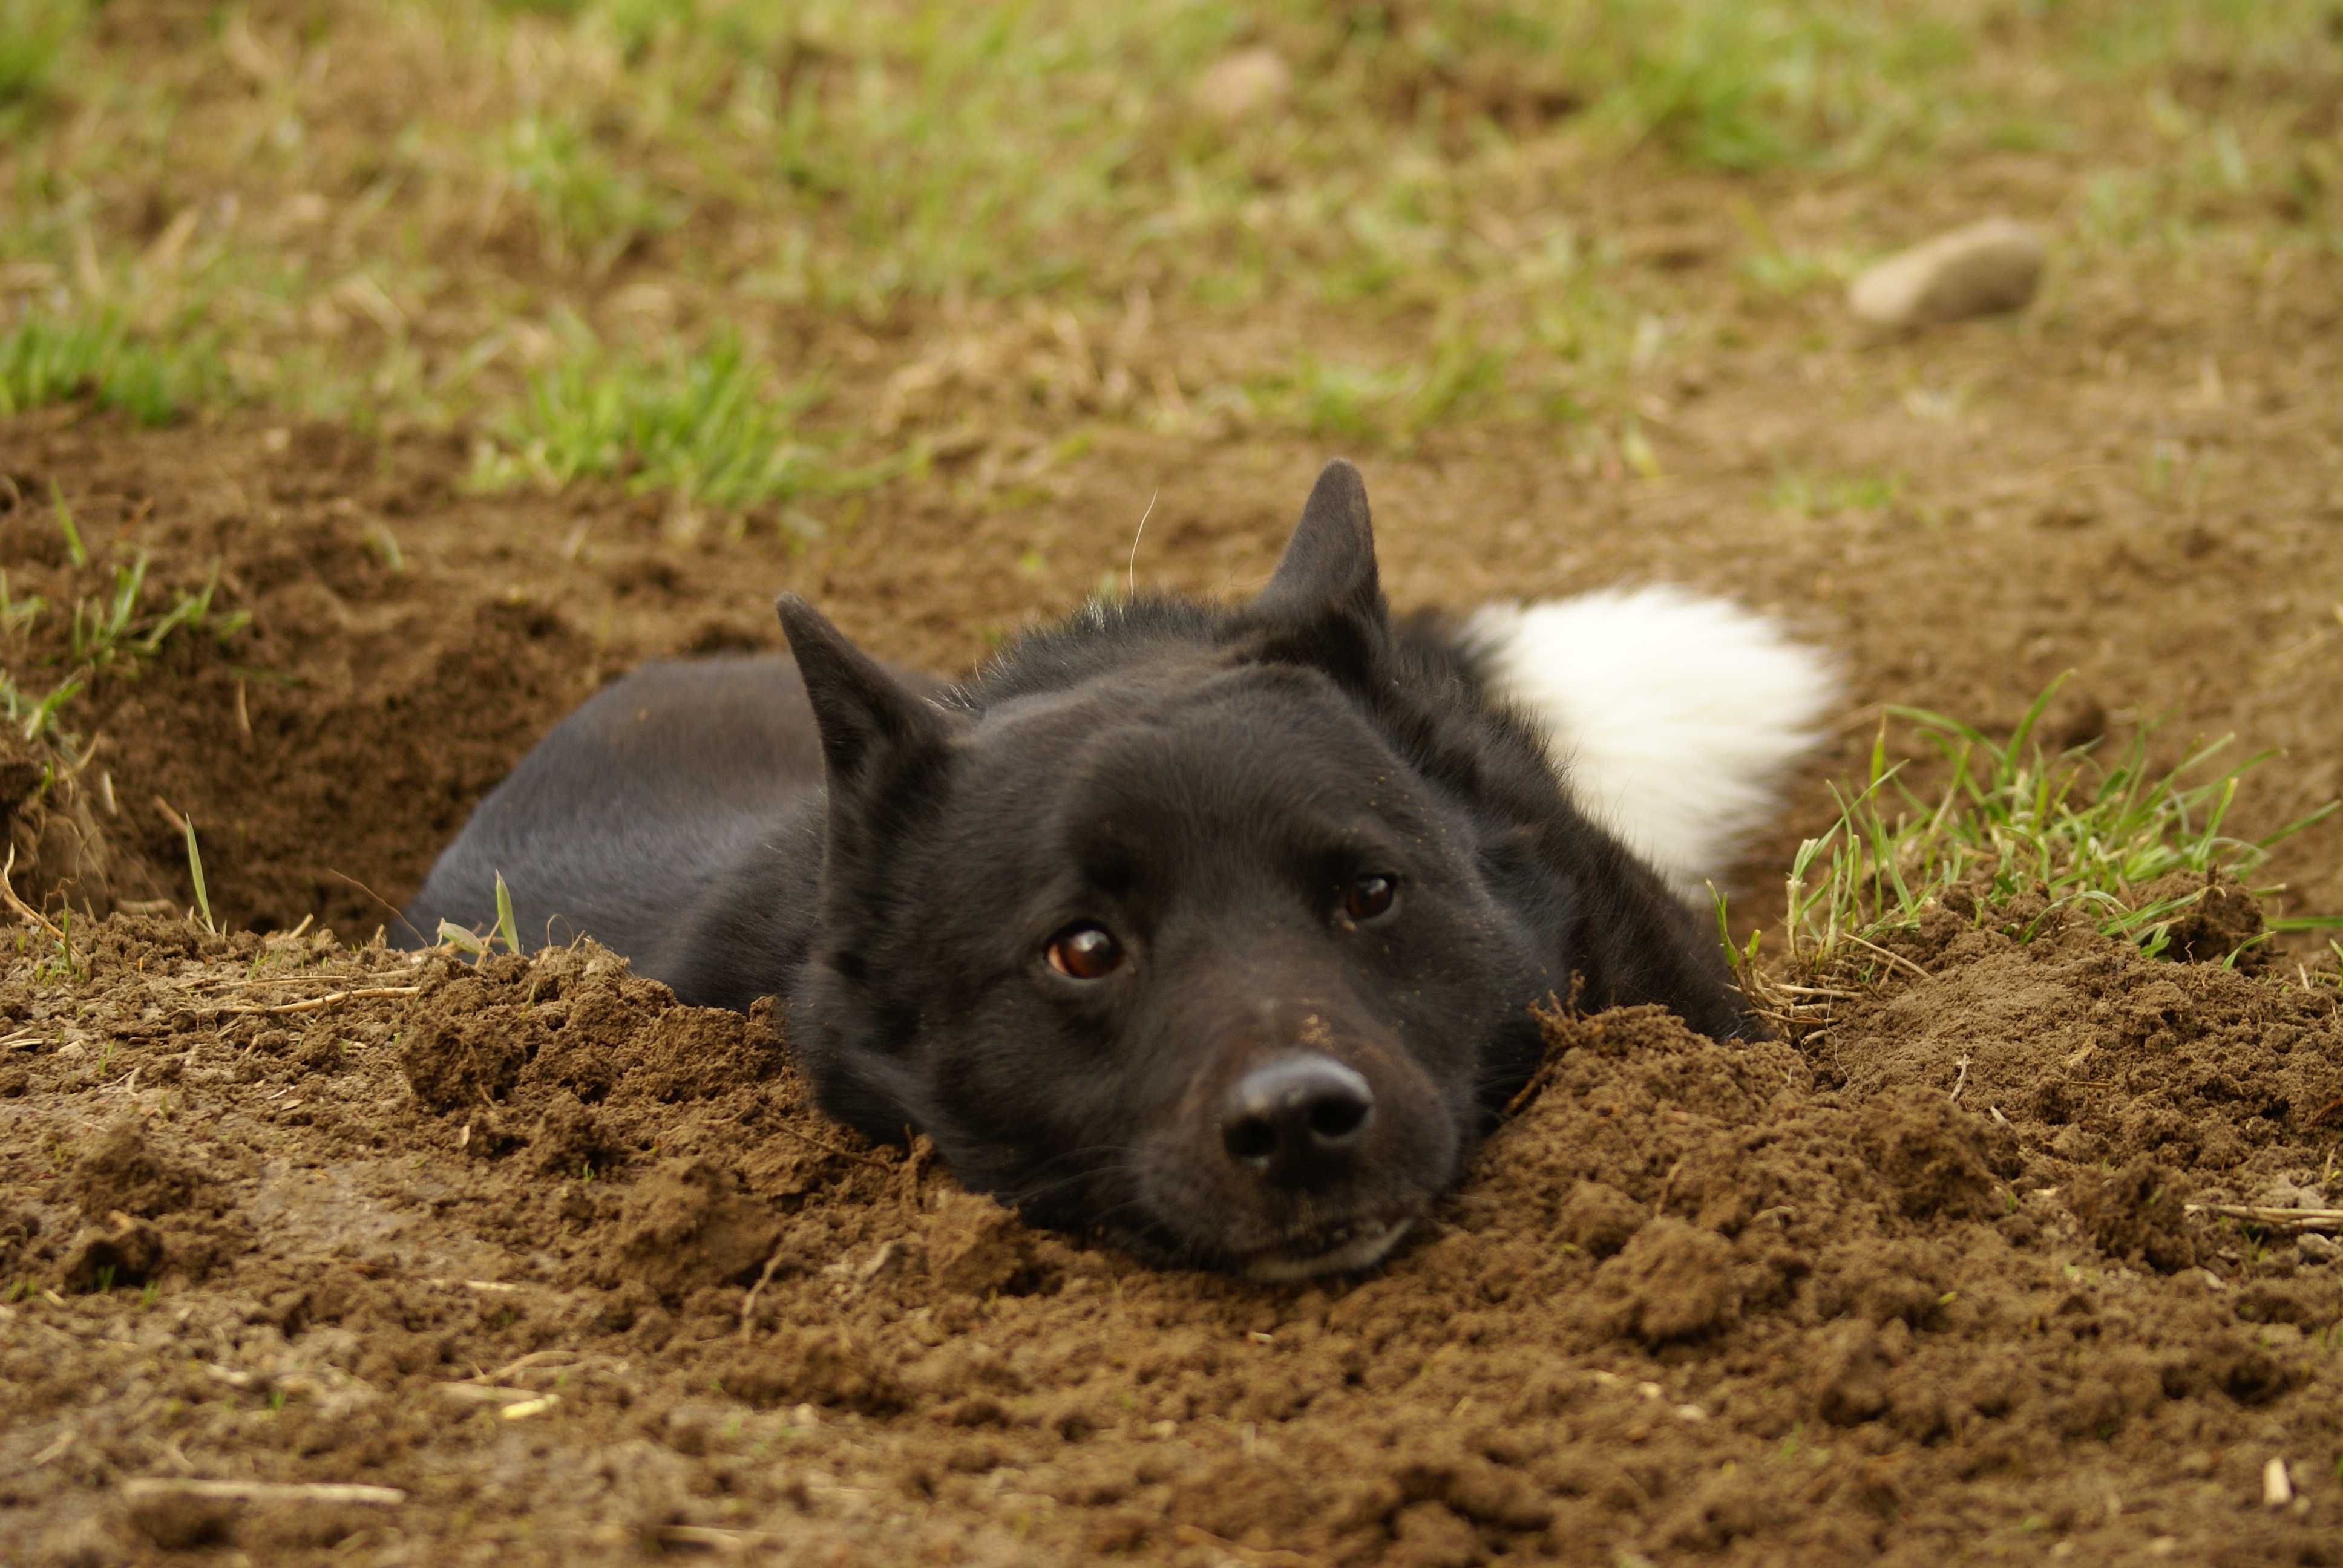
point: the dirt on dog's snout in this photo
(573, 1268)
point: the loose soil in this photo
(578, 1272)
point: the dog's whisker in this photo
(1130, 568)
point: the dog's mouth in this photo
(1337, 1249)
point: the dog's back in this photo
(619, 817)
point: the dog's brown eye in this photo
(1085, 952)
(1369, 897)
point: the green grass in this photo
(33, 36)
(109, 628)
(2145, 35)
(477, 945)
(507, 931)
(588, 207)
(196, 875)
(1350, 402)
(916, 148)
(2085, 833)
(47, 358)
(107, 635)
(716, 426)
(1827, 495)
(1751, 86)
(75, 551)
(1413, 212)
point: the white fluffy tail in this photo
(1669, 717)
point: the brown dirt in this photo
(1776, 1303)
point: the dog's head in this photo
(1177, 944)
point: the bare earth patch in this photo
(575, 1272)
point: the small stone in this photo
(1243, 83)
(2277, 1487)
(2282, 1193)
(1985, 269)
(2317, 1248)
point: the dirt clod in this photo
(2220, 923)
(126, 1170)
(1673, 1282)
(1599, 1218)
(2137, 1213)
(461, 1049)
(1931, 1154)
(974, 1245)
(689, 1224)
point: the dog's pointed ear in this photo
(1323, 607)
(1330, 561)
(873, 725)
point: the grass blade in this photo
(506, 931)
(196, 875)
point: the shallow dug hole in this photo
(576, 1274)
(577, 1271)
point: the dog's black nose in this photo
(1296, 1119)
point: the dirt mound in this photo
(2107, 1056)
(489, 1233)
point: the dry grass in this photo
(468, 211)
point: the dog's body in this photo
(1218, 929)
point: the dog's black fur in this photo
(1272, 1070)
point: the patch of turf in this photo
(1744, 87)
(2156, 36)
(47, 358)
(1350, 402)
(716, 426)
(1401, 199)
(33, 38)
(1826, 495)
(2078, 830)
(587, 206)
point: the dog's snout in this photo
(1296, 1119)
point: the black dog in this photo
(1216, 928)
